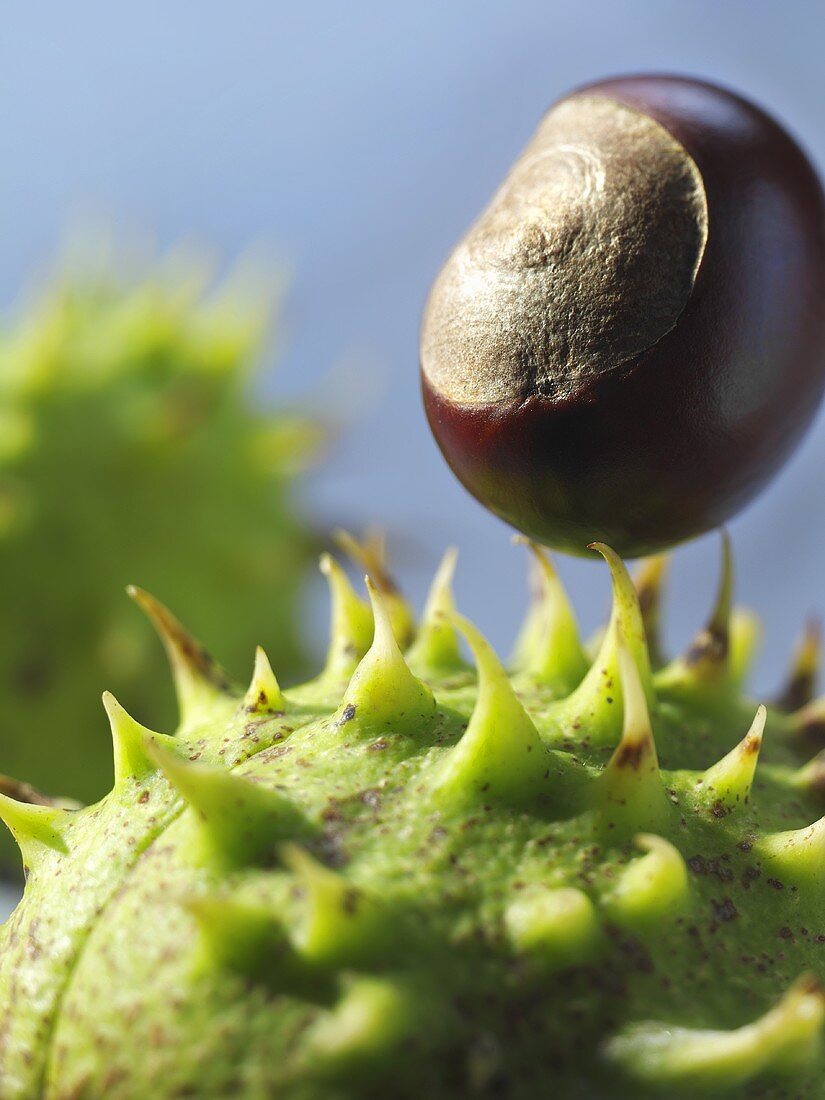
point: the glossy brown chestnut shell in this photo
(631, 340)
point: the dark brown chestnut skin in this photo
(654, 446)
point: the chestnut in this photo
(630, 341)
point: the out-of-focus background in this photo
(357, 141)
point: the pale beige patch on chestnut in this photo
(585, 258)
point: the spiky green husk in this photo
(412, 876)
(131, 448)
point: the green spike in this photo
(240, 820)
(744, 637)
(629, 793)
(264, 696)
(801, 685)
(559, 927)
(34, 827)
(369, 553)
(532, 629)
(652, 889)
(436, 646)
(343, 925)
(786, 1039)
(549, 648)
(350, 627)
(649, 580)
(383, 693)
(372, 1017)
(130, 741)
(727, 785)
(199, 680)
(248, 939)
(595, 705)
(796, 856)
(500, 754)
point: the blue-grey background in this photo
(358, 140)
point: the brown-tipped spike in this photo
(436, 646)
(25, 792)
(199, 679)
(549, 648)
(727, 785)
(808, 724)
(370, 554)
(716, 662)
(264, 695)
(649, 581)
(708, 653)
(801, 685)
(630, 795)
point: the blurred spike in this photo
(264, 696)
(436, 646)
(549, 648)
(370, 554)
(240, 821)
(651, 889)
(785, 1040)
(130, 741)
(629, 793)
(649, 581)
(246, 938)
(558, 926)
(727, 785)
(372, 1018)
(199, 679)
(343, 924)
(351, 623)
(811, 776)
(797, 856)
(383, 692)
(596, 704)
(800, 688)
(34, 827)
(707, 657)
(532, 630)
(500, 754)
(808, 724)
(25, 792)
(745, 636)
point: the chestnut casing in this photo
(674, 441)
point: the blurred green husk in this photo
(133, 450)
